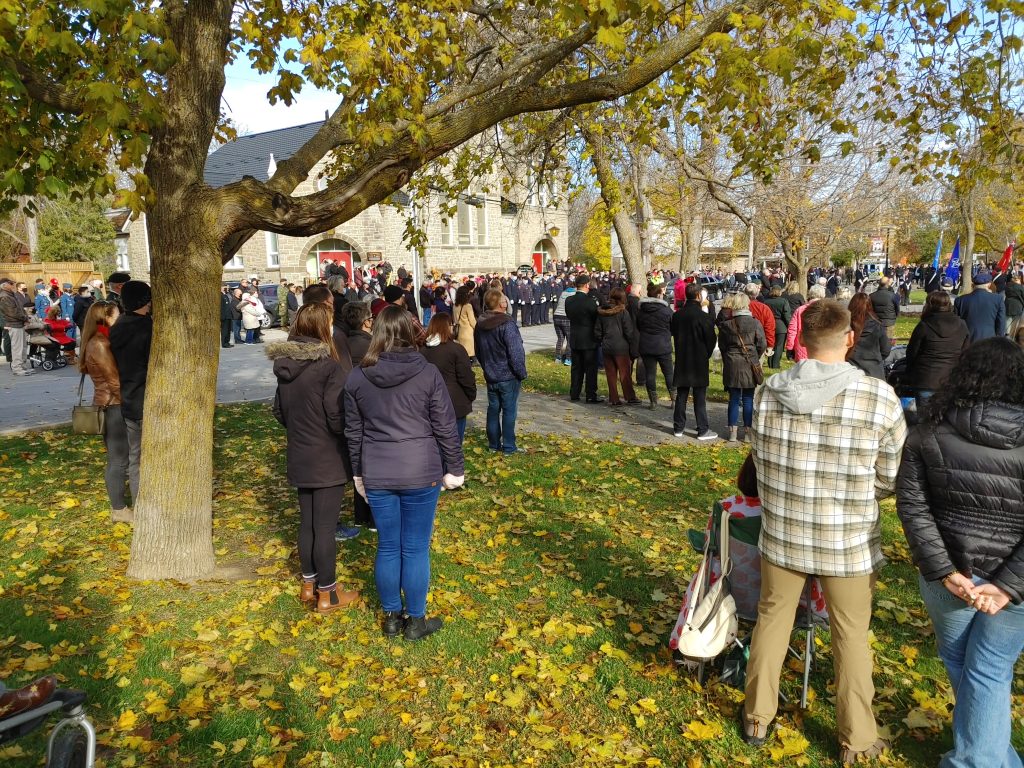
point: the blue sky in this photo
(245, 101)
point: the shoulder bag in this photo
(755, 365)
(711, 624)
(87, 419)
(455, 327)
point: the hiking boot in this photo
(732, 434)
(331, 599)
(307, 594)
(417, 629)
(848, 756)
(653, 398)
(125, 515)
(753, 733)
(394, 623)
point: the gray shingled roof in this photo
(250, 155)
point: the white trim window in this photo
(273, 250)
(481, 222)
(446, 232)
(235, 263)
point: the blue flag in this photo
(938, 254)
(953, 269)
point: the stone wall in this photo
(510, 242)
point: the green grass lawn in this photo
(558, 571)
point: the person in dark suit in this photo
(581, 309)
(983, 311)
(225, 317)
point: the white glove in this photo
(451, 482)
(360, 488)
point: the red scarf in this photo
(103, 330)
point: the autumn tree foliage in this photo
(96, 91)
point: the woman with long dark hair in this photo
(742, 342)
(308, 402)
(871, 345)
(451, 360)
(400, 426)
(97, 361)
(961, 501)
(615, 331)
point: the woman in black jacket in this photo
(452, 360)
(871, 345)
(615, 331)
(742, 342)
(653, 325)
(400, 427)
(308, 403)
(782, 311)
(693, 332)
(961, 501)
(935, 346)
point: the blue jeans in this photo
(460, 424)
(427, 311)
(250, 335)
(236, 326)
(735, 395)
(979, 652)
(502, 405)
(405, 522)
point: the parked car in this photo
(714, 287)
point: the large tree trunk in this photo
(173, 537)
(173, 514)
(626, 230)
(694, 239)
(797, 265)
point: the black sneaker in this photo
(394, 623)
(417, 629)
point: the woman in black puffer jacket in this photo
(935, 346)
(960, 497)
(654, 327)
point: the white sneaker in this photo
(677, 434)
(709, 435)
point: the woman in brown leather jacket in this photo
(96, 360)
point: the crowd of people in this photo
(374, 391)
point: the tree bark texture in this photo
(967, 211)
(173, 534)
(625, 229)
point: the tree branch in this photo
(43, 89)
(249, 205)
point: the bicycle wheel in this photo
(70, 749)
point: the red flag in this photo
(1004, 263)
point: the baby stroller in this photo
(745, 586)
(48, 345)
(72, 742)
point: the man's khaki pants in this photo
(849, 608)
(19, 349)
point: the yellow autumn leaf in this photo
(127, 720)
(702, 730)
(790, 742)
(36, 662)
(70, 502)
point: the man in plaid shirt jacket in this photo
(827, 443)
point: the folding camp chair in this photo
(745, 531)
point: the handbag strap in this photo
(81, 388)
(723, 543)
(743, 344)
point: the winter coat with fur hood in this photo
(310, 385)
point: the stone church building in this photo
(490, 232)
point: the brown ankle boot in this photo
(308, 592)
(332, 599)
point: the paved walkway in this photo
(46, 399)
(245, 375)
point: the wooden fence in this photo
(74, 272)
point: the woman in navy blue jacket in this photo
(400, 425)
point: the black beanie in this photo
(135, 294)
